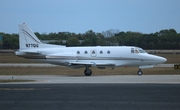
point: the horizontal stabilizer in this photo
(32, 52)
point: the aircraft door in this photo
(93, 53)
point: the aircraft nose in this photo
(157, 59)
(160, 59)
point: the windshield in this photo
(141, 51)
(137, 50)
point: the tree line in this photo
(164, 39)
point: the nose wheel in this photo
(87, 71)
(139, 72)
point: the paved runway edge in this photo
(131, 79)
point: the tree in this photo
(91, 35)
(164, 39)
(110, 32)
(73, 41)
(87, 42)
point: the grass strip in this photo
(80, 72)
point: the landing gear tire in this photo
(139, 73)
(87, 72)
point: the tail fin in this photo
(27, 38)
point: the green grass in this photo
(12, 58)
(80, 72)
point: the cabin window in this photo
(93, 52)
(108, 52)
(101, 52)
(85, 52)
(78, 52)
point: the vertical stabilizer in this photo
(27, 38)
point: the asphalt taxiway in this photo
(128, 92)
(89, 96)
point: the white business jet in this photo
(77, 57)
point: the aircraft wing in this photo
(93, 64)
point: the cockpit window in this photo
(142, 51)
(137, 50)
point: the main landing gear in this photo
(87, 71)
(139, 72)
